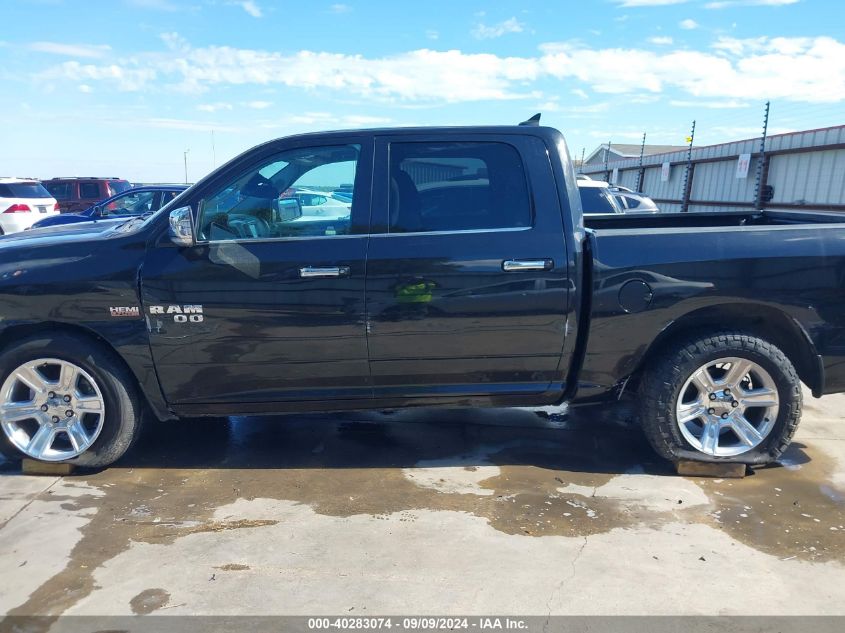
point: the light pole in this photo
(185, 157)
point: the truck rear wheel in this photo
(721, 397)
(66, 399)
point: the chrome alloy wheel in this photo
(727, 407)
(51, 409)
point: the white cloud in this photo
(363, 119)
(797, 69)
(661, 40)
(258, 105)
(722, 4)
(85, 88)
(129, 79)
(184, 124)
(340, 8)
(484, 32)
(578, 92)
(71, 50)
(159, 5)
(329, 119)
(432, 34)
(250, 6)
(688, 24)
(214, 107)
(711, 105)
(647, 3)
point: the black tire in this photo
(665, 376)
(124, 409)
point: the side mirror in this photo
(289, 209)
(182, 227)
(98, 211)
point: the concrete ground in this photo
(426, 512)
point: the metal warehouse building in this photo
(799, 170)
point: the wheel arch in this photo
(759, 320)
(19, 331)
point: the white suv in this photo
(22, 203)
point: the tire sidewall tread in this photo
(124, 408)
(667, 373)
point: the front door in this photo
(467, 280)
(269, 305)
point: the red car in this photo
(77, 194)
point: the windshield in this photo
(23, 190)
(139, 221)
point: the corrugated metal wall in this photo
(806, 169)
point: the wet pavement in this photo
(426, 511)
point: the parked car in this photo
(497, 292)
(22, 202)
(633, 202)
(596, 198)
(77, 194)
(321, 205)
(135, 201)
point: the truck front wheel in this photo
(721, 397)
(65, 399)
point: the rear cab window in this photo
(456, 186)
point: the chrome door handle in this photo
(516, 265)
(311, 272)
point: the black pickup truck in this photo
(418, 267)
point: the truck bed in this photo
(775, 269)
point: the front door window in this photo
(303, 192)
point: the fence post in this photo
(762, 163)
(688, 172)
(640, 172)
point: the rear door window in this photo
(456, 186)
(60, 190)
(89, 190)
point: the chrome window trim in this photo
(506, 229)
(248, 240)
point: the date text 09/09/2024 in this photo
(418, 623)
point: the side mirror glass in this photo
(98, 211)
(182, 226)
(289, 209)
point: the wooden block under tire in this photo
(33, 467)
(710, 469)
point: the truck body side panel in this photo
(791, 272)
(53, 284)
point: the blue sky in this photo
(124, 87)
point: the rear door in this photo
(89, 194)
(467, 280)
